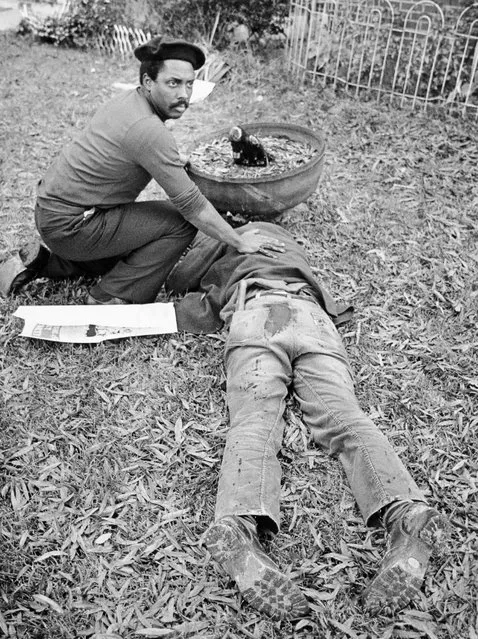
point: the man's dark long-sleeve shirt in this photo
(109, 163)
(211, 271)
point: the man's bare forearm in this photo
(209, 221)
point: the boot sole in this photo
(400, 583)
(262, 586)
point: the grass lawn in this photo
(110, 453)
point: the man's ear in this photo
(146, 81)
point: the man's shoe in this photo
(23, 267)
(413, 538)
(34, 256)
(233, 543)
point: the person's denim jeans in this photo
(277, 344)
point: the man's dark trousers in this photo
(133, 246)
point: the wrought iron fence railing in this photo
(415, 58)
(123, 39)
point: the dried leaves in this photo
(110, 454)
(215, 157)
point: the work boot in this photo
(414, 535)
(25, 266)
(233, 543)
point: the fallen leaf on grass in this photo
(47, 555)
(43, 599)
(102, 538)
(348, 632)
(182, 630)
(3, 624)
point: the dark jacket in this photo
(211, 271)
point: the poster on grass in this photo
(93, 324)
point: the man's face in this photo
(171, 91)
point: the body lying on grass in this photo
(282, 339)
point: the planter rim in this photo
(277, 127)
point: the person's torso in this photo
(98, 169)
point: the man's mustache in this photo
(181, 103)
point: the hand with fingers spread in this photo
(253, 242)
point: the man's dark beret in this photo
(165, 48)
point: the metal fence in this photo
(413, 58)
(123, 40)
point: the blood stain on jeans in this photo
(278, 319)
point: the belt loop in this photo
(241, 295)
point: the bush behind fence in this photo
(416, 58)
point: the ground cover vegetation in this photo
(110, 453)
(204, 20)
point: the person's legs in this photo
(323, 386)
(134, 247)
(384, 490)
(258, 371)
